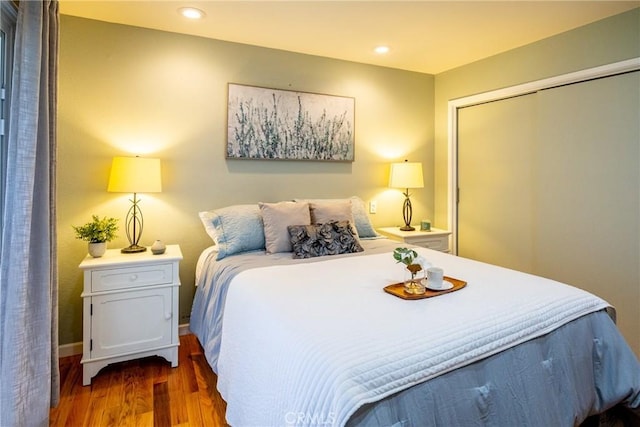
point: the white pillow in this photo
(276, 217)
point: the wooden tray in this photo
(397, 289)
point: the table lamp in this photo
(406, 175)
(134, 175)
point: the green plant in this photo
(410, 258)
(98, 230)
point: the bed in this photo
(315, 341)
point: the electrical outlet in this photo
(373, 207)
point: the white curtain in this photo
(29, 377)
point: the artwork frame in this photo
(279, 124)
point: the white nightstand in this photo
(130, 308)
(435, 239)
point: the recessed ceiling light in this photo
(381, 50)
(191, 12)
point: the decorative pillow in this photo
(276, 217)
(207, 220)
(332, 238)
(326, 211)
(234, 229)
(358, 210)
(323, 211)
(361, 218)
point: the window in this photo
(8, 16)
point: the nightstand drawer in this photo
(436, 239)
(440, 244)
(121, 278)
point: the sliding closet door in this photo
(550, 184)
(495, 147)
(587, 209)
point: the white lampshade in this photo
(406, 175)
(135, 175)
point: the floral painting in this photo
(279, 124)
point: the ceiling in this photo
(424, 36)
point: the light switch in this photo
(373, 207)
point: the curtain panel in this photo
(28, 262)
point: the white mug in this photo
(435, 277)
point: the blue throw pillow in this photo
(235, 229)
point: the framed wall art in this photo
(275, 124)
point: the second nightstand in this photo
(435, 239)
(130, 308)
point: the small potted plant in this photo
(97, 232)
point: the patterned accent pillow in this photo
(331, 238)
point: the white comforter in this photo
(308, 344)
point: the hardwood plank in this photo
(144, 420)
(193, 410)
(161, 371)
(144, 393)
(114, 395)
(204, 375)
(128, 411)
(211, 402)
(73, 374)
(189, 380)
(176, 396)
(65, 365)
(161, 407)
(95, 412)
(111, 417)
(206, 409)
(99, 389)
(80, 404)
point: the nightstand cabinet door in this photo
(131, 321)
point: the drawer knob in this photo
(133, 277)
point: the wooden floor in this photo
(144, 392)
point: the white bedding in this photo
(310, 343)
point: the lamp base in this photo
(407, 212)
(133, 249)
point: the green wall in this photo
(125, 90)
(610, 40)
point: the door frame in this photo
(453, 105)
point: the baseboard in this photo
(184, 329)
(66, 350)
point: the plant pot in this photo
(96, 250)
(414, 282)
